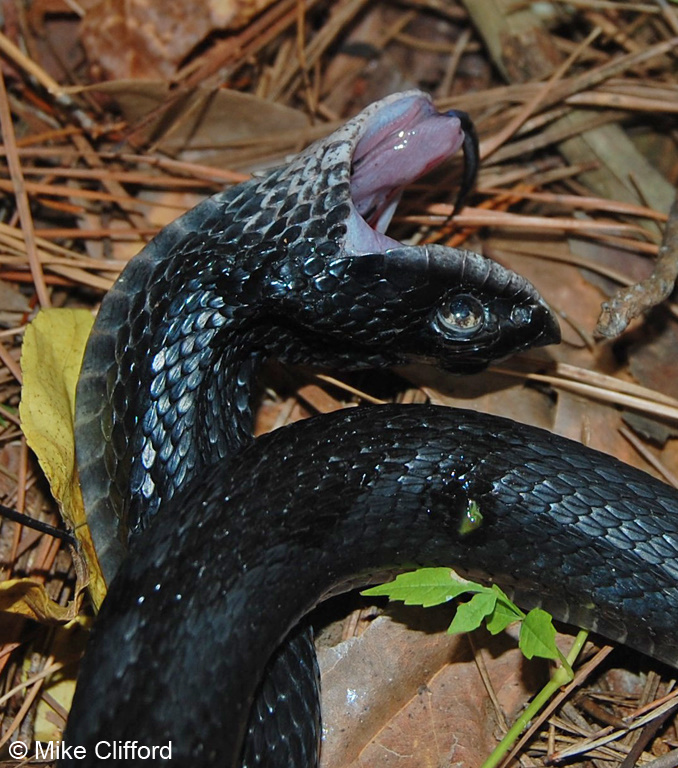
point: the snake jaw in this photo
(399, 140)
(391, 144)
(404, 139)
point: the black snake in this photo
(234, 540)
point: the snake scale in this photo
(216, 545)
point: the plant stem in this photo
(560, 677)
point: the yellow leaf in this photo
(28, 597)
(68, 644)
(51, 356)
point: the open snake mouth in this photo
(404, 140)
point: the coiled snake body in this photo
(233, 540)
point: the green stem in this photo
(560, 677)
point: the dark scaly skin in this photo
(268, 268)
(263, 270)
(590, 539)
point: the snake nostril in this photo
(521, 316)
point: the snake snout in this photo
(550, 333)
(466, 311)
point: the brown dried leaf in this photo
(208, 118)
(141, 38)
(409, 695)
(29, 598)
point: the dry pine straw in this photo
(70, 164)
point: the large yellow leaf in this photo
(66, 646)
(51, 356)
(28, 597)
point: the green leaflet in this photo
(433, 586)
(470, 615)
(427, 587)
(538, 635)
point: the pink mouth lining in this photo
(403, 141)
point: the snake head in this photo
(395, 302)
(443, 306)
(465, 311)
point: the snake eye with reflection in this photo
(462, 317)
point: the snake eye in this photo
(462, 316)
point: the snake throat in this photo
(401, 143)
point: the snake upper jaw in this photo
(503, 331)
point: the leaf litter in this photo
(575, 108)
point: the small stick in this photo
(21, 195)
(630, 302)
(37, 525)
